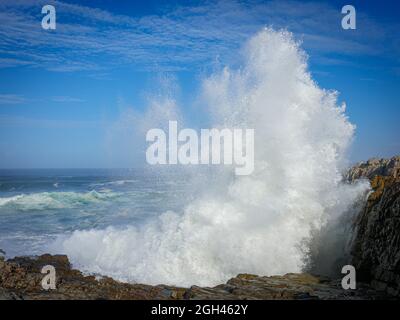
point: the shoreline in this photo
(374, 254)
(21, 277)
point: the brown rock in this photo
(20, 278)
(376, 247)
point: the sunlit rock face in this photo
(376, 248)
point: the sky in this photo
(66, 95)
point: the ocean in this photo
(39, 205)
(203, 229)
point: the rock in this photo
(5, 295)
(376, 246)
(375, 167)
(287, 287)
(375, 254)
(20, 278)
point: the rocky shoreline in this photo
(376, 248)
(20, 279)
(375, 254)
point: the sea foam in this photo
(259, 223)
(54, 200)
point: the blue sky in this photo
(62, 92)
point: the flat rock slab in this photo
(20, 278)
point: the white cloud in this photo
(7, 99)
(66, 99)
(21, 121)
(13, 99)
(94, 40)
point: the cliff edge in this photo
(376, 246)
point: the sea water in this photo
(38, 205)
(138, 228)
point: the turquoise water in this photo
(36, 206)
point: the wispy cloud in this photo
(7, 99)
(66, 99)
(90, 39)
(367, 79)
(21, 121)
(13, 99)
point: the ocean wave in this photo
(55, 200)
(259, 223)
(114, 183)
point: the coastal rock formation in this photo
(376, 247)
(20, 278)
(375, 255)
(298, 286)
(375, 167)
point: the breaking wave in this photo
(255, 224)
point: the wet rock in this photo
(376, 247)
(287, 287)
(20, 278)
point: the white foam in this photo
(54, 200)
(114, 183)
(254, 224)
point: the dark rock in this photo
(376, 247)
(288, 287)
(20, 278)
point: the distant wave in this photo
(114, 183)
(54, 200)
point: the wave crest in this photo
(54, 200)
